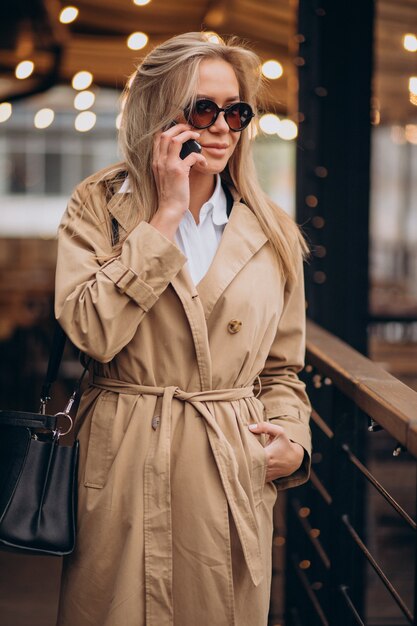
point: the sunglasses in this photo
(205, 112)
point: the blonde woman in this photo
(183, 282)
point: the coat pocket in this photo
(256, 446)
(259, 464)
(99, 449)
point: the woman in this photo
(194, 405)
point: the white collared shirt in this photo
(199, 242)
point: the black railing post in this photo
(333, 156)
(347, 580)
(329, 557)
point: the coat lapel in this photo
(241, 239)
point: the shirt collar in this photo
(125, 188)
(217, 201)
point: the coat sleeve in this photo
(100, 303)
(282, 393)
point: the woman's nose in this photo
(220, 125)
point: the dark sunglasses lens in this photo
(203, 113)
(239, 115)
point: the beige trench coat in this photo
(175, 517)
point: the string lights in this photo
(24, 69)
(68, 15)
(82, 80)
(272, 69)
(85, 121)
(137, 41)
(5, 111)
(410, 42)
(44, 118)
(271, 124)
(84, 100)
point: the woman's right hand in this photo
(172, 176)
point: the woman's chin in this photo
(211, 167)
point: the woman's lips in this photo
(215, 149)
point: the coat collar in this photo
(120, 208)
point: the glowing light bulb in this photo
(412, 85)
(269, 123)
(410, 42)
(84, 100)
(137, 41)
(5, 111)
(24, 69)
(44, 118)
(85, 121)
(141, 3)
(287, 130)
(212, 37)
(272, 69)
(82, 80)
(68, 15)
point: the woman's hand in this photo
(284, 456)
(171, 172)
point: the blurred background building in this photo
(336, 147)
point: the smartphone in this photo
(188, 146)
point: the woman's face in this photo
(217, 81)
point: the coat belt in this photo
(157, 489)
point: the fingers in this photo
(173, 138)
(167, 148)
(266, 427)
(171, 146)
(194, 158)
(161, 139)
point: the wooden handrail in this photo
(380, 395)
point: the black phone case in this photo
(188, 147)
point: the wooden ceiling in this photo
(96, 41)
(393, 64)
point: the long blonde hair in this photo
(163, 85)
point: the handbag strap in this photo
(55, 358)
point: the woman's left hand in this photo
(284, 456)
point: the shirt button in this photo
(234, 326)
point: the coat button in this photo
(234, 326)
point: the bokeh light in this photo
(82, 80)
(68, 15)
(85, 121)
(269, 123)
(137, 41)
(24, 69)
(84, 100)
(410, 42)
(287, 130)
(412, 85)
(5, 111)
(272, 69)
(44, 118)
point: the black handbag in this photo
(38, 475)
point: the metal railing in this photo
(334, 561)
